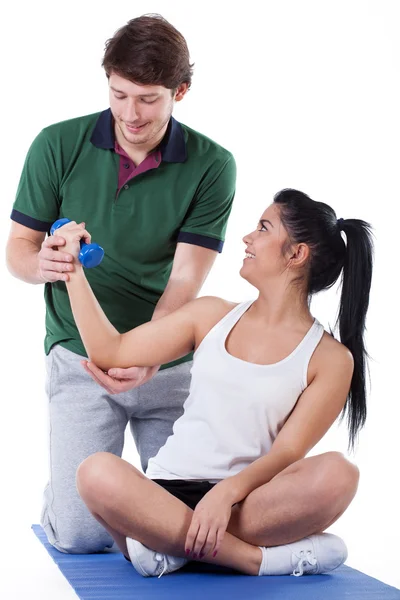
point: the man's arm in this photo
(22, 251)
(31, 257)
(189, 271)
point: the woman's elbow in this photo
(102, 360)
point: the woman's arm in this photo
(316, 410)
(154, 343)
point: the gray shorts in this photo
(85, 419)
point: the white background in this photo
(305, 94)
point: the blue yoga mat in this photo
(110, 577)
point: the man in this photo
(157, 196)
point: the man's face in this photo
(141, 112)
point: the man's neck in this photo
(138, 152)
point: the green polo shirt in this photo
(182, 192)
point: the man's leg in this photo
(159, 405)
(83, 420)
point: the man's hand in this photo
(119, 380)
(54, 264)
(209, 522)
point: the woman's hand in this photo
(74, 233)
(209, 522)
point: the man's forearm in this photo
(22, 260)
(177, 293)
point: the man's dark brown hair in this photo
(149, 51)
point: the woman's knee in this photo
(338, 477)
(96, 476)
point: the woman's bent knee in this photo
(94, 474)
(101, 477)
(339, 477)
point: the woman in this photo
(231, 485)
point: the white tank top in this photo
(235, 409)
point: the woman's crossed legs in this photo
(304, 499)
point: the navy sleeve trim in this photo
(200, 240)
(29, 221)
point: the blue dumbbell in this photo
(90, 255)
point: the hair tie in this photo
(339, 223)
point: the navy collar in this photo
(172, 146)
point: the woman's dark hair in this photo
(315, 224)
(149, 51)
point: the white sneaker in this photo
(150, 563)
(312, 555)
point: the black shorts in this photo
(188, 491)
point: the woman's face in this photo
(264, 259)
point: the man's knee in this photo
(73, 535)
(78, 543)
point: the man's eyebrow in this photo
(141, 95)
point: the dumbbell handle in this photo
(90, 255)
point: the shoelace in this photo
(163, 564)
(305, 558)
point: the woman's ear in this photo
(300, 255)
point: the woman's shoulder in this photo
(208, 311)
(215, 303)
(212, 308)
(331, 354)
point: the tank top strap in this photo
(229, 320)
(223, 326)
